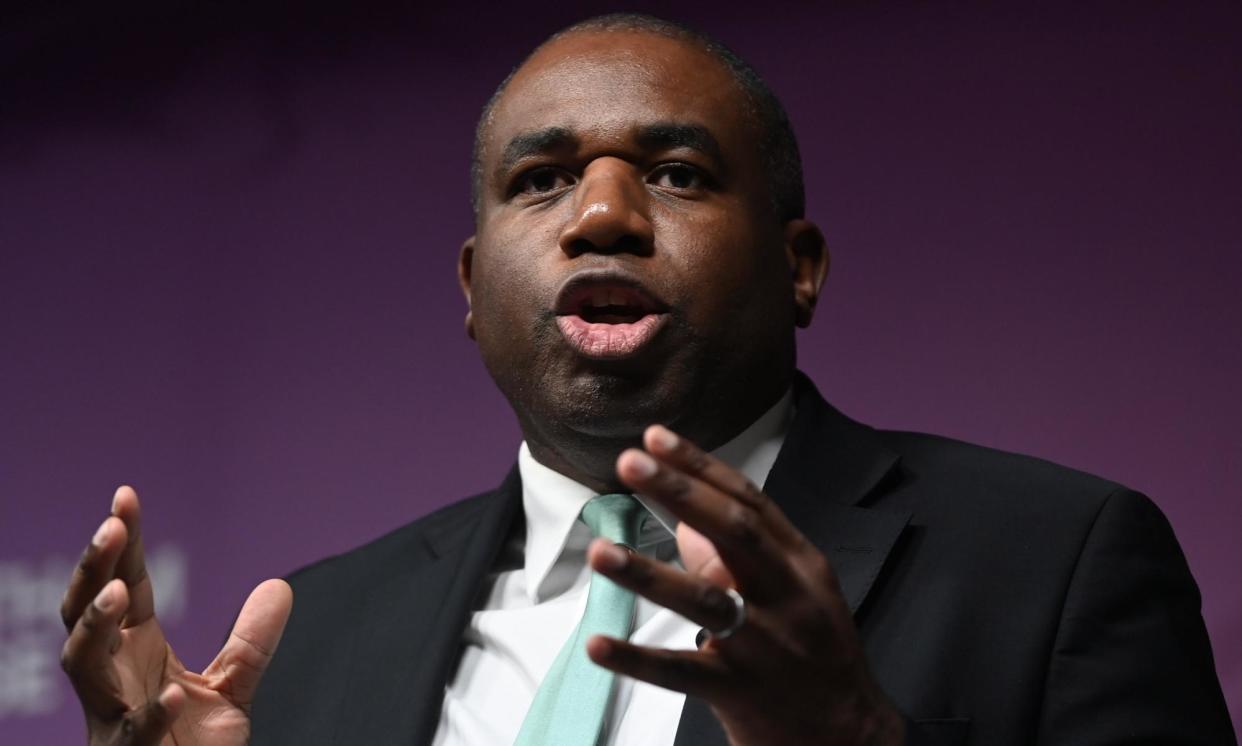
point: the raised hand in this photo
(134, 691)
(794, 671)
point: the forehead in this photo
(607, 85)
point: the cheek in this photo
(722, 260)
(512, 287)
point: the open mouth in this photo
(608, 316)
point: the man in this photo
(641, 256)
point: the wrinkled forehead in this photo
(608, 85)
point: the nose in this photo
(610, 212)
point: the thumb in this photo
(236, 671)
(699, 556)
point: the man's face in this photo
(628, 266)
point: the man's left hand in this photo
(794, 672)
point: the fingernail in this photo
(664, 438)
(101, 533)
(613, 557)
(642, 465)
(115, 495)
(106, 599)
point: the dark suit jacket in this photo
(1001, 600)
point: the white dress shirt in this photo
(536, 595)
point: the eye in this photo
(679, 176)
(541, 181)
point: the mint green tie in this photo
(571, 703)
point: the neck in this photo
(593, 465)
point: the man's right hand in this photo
(133, 688)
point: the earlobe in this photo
(808, 263)
(465, 263)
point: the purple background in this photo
(228, 239)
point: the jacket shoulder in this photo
(972, 476)
(409, 542)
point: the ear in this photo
(465, 261)
(808, 261)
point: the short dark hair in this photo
(778, 145)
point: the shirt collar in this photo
(553, 501)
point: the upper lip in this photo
(606, 288)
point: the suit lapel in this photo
(827, 467)
(409, 627)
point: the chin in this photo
(616, 405)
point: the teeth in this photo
(605, 297)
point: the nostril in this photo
(580, 246)
(628, 244)
(625, 244)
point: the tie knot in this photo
(615, 517)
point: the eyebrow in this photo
(657, 136)
(668, 135)
(536, 142)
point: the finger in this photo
(749, 549)
(695, 598)
(700, 557)
(147, 725)
(696, 673)
(680, 453)
(87, 654)
(132, 566)
(95, 568)
(236, 671)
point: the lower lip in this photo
(609, 341)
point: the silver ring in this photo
(739, 616)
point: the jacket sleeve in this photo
(1131, 662)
